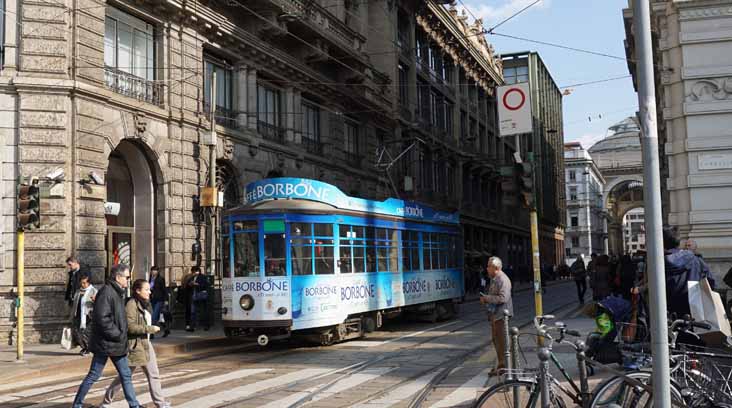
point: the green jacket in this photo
(137, 331)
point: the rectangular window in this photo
(129, 44)
(274, 254)
(574, 221)
(268, 112)
(225, 255)
(351, 138)
(575, 242)
(449, 109)
(311, 127)
(573, 193)
(246, 254)
(572, 175)
(423, 101)
(224, 103)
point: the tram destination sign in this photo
(313, 190)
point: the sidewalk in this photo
(43, 360)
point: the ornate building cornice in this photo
(465, 43)
(703, 12)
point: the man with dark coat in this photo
(109, 336)
(72, 284)
(158, 293)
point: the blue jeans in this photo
(157, 307)
(95, 371)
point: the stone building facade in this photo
(585, 232)
(546, 142)
(116, 96)
(693, 75)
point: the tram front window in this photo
(246, 255)
(274, 255)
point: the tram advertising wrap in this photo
(300, 254)
(325, 300)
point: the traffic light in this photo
(526, 183)
(29, 205)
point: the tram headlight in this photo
(246, 302)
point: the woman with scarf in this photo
(141, 352)
(81, 311)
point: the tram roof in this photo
(313, 195)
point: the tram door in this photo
(274, 248)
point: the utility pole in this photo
(21, 291)
(652, 196)
(528, 200)
(211, 239)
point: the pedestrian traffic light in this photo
(526, 183)
(29, 205)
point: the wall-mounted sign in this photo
(514, 109)
(715, 161)
(111, 208)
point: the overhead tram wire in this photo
(490, 30)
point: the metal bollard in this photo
(582, 367)
(544, 356)
(506, 341)
(514, 349)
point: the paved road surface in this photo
(405, 364)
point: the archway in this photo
(622, 196)
(130, 209)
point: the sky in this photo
(595, 25)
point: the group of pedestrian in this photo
(121, 331)
(193, 295)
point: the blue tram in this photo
(302, 256)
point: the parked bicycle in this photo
(528, 388)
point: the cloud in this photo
(586, 139)
(493, 15)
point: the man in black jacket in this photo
(157, 293)
(72, 284)
(109, 336)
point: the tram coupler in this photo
(262, 340)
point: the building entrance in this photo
(131, 208)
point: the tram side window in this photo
(451, 252)
(410, 250)
(352, 248)
(226, 256)
(246, 255)
(323, 248)
(345, 260)
(382, 249)
(301, 252)
(274, 255)
(393, 250)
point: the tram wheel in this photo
(326, 339)
(368, 323)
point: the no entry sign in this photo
(514, 109)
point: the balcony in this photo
(224, 117)
(323, 21)
(271, 132)
(312, 146)
(133, 86)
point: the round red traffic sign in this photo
(514, 106)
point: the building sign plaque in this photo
(716, 161)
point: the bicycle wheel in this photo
(515, 394)
(618, 392)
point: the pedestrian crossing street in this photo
(275, 387)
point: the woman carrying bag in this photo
(141, 352)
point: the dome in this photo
(624, 135)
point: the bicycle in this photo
(695, 377)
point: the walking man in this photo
(109, 337)
(499, 299)
(158, 291)
(580, 278)
(72, 284)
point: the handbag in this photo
(66, 340)
(200, 295)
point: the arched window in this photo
(227, 182)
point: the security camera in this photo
(96, 178)
(56, 175)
